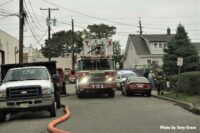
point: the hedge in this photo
(189, 83)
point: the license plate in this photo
(97, 86)
(140, 86)
(24, 105)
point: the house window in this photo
(148, 61)
(155, 62)
(160, 45)
(155, 45)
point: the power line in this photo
(150, 17)
(35, 14)
(41, 38)
(83, 14)
(32, 19)
(6, 2)
(32, 31)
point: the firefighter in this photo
(159, 81)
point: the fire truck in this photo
(95, 68)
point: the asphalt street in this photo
(100, 114)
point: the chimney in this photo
(168, 31)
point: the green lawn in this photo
(183, 97)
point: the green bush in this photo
(173, 82)
(189, 83)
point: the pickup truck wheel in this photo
(52, 110)
(111, 94)
(80, 95)
(57, 99)
(2, 116)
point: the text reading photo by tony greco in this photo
(179, 127)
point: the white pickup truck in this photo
(27, 89)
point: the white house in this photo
(8, 48)
(141, 50)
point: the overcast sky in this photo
(155, 15)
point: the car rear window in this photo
(138, 79)
(126, 75)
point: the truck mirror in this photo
(55, 78)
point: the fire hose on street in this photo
(51, 125)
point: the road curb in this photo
(187, 106)
(51, 125)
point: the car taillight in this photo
(132, 86)
(83, 74)
(147, 86)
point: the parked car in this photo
(136, 85)
(72, 76)
(122, 75)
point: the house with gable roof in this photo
(142, 50)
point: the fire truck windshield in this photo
(96, 64)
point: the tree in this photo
(117, 51)
(61, 42)
(180, 46)
(105, 31)
(101, 31)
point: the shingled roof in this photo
(158, 37)
(141, 45)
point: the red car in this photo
(136, 85)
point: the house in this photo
(9, 47)
(142, 50)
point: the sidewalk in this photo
(188, 106)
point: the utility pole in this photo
(140, 26)
(21, 30)
(72, 44)
(49, 29)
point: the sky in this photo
(155, 15)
